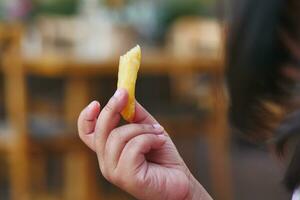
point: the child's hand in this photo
(140, 158)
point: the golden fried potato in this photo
(128, 69)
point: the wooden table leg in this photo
(19, 168)
(15, 102)
(218, 141)
(79, 183)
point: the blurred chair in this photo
(26, 153)
(13, 138)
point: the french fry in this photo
(128, 70)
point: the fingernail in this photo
(91, 106)
(158, 127)
(119, 93)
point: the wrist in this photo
(197, 191)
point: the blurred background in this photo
(58, 55)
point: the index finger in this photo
(109, 118)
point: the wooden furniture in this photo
(14, 141)
(25, 154)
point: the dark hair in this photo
(258, 50)
(288, 133)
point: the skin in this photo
(140, 157)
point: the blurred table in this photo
(76, 72)
(154, 61)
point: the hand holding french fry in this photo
(140, 157)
